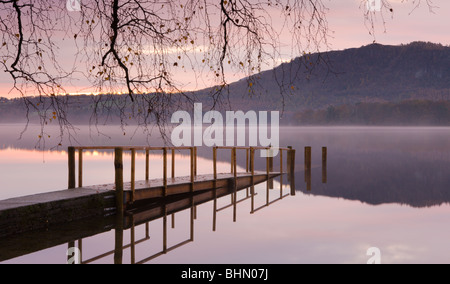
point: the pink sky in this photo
(347, 30)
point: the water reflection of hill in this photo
(379, 178)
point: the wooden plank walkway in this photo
(42, 210)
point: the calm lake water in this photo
(386, 187)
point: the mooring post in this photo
(288, 162)
(71, 158)
(324, 165)
(292, 170)
(118, 165)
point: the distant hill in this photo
(370, 74)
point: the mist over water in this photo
(387, 187)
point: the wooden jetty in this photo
(164, 209)
(78, 202)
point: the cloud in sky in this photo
(347, 30)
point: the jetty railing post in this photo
(195, 161)
(71, 158)
(246, 160)
(173, 163)
(192, 169)
(133, 174)
(268, 176)
(147, 164)
(80, 167)
(118, 165)
(215, 188)
(270, 156)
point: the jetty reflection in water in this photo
(126, 234)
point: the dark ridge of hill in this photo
(372, 73)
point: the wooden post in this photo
(165, 171)
(118, 164)
(173, 163)
(234, 185)
(270, 154)
(147, 230)
(80, 167)
(147, 165)
(308, 157)
(324, 165)
(215, 165)
(133, 174)
(71, 158)
(252, 169)
(192, 169)
(246, 160)
(292, 170)
(281, 161)
(231, 160)
(195, 161)
(288, 162)
(215, 188)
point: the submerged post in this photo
(71, 153)
(118, 165)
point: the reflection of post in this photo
(70, 245)
(165, 230)
(132, 242)
(324, 165)
(173, 220)
(71, 154)
(118, 251)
